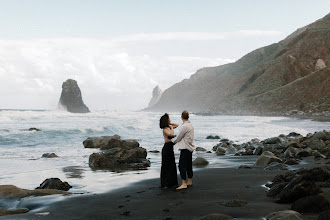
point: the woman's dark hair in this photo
(163, 122)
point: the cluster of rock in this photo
(285, 149)
(302, 188)
(116, 153)
(54, 183)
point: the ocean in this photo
(62, 133)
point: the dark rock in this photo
(266, 158)
(213, 137)
(316, 174)
(209, 152)
(291, 162)
(294, 134)
(4, 212)
(316, 144)
(154, 151)
(291, 152)
(71, 98)
(215, 216)
(321, 135)
(276, 166)
(284, 215)
(269, 147)
(305, 153)
(117, 143)
(49, 155)
(119, 158)
(285, 177)
(234, 203)
(54, 183)
(316, 204)
(324, 215)
(273, 140)
(97, 142)
(318, 155)
(297, 189)
(293, 144)
(244, 167)
(220, 151)
(258, 150)
(200, 149)
(199, 161)
(224, 140)
(34, 129)
(276, 189)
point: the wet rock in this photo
(318, 155)
(316, 144)
(10, 191)
(209, 152)
(304, 153)
(273, 140)
(215, 216)
(318, 174)
(316, 204)
(231, 149)
(292, 144)
(321, 135)
(223, 145)
(49, 155)
(291, 162)
(199, 161)
(224, 140)
(97, 142)
(258, 150)
(200, 149)
(154, 151)
(34, 129)
(119, 158)
(296, 189)
(244, 167)
(294, 134)
(220, 151)
(54, 183)
(269, 147)
(276, 166)
(291, 152)
(213, 137)
(4, 212)
(276, 189)
(284, 215)
(285, 177)
(266, 158)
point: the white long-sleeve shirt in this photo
(185, 138)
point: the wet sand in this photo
(145, 200)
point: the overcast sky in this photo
(118, 51)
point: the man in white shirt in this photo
(185, 142)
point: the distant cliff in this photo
(156, 95)
(71, 98)
(292, 75)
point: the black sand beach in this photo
(145, 200)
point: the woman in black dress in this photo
(168, 175)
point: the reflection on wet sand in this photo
(73, 172)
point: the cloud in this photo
(115, 72)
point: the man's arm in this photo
(180, 135)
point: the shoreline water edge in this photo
(232, 182)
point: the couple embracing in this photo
(184, 141)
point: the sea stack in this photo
(156, 94)
(71, 98)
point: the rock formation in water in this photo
(291, 75)
(71, 98)
(156, 95)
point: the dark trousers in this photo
(185, 164)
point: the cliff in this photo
(71, 98)
(292, 74)
(156, 95)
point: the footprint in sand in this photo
(126, 213)
(121, 206)
(127, 196)
(141, 192)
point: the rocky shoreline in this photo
(290, 177)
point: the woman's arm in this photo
(174, 125)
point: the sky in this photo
(118, 51)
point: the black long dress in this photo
(168, 175)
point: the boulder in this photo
(291, 152)
(213, 137)
(269, 147)
(321, 135)
(156, 95)
(4, 212)
(291, 162)
(316, 204)
(276, 166)
(266, 158)
(276, 189)
(231, 149)
(318, 174)
(34, 129)
(215, 216)
(199, 161)
(119, 158)
(284, 215)
(200, 149)
(319, 65)
(123, 144)
(258, 150)
(273, 140)
(54, 183)
(97, 142)
(220, 151)
(305, 153)
(49, 155)
(296, 189)
(10, 192)
(315, 144)
(293, 144)
(71, 98)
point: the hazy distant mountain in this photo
(156, 95)
(276, 78)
